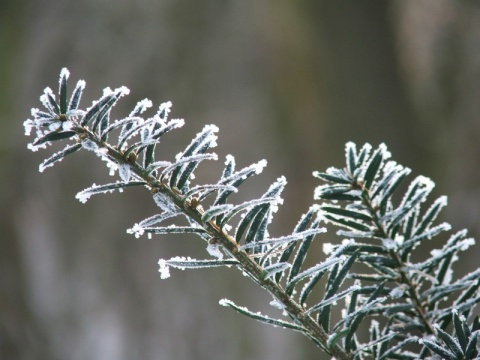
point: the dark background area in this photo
(289, 81)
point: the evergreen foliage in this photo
(412, 309)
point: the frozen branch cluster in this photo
(412, 309)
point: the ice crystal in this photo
(124, 172)
(214, 250)
(277, 304)
(136, 230)
(327, 248)
(163, 202)
(89, 145)
(163, 269)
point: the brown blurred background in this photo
(289, 81)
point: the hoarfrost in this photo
(83, 196)
(389, 244)
(277, 304)
(64, 73)
(124, 172)
(286, 239)
(436, 252)
(448, 276)
(141, 107)
(229, 159)
(44, 98)
(350, 146)
(399, 240)
(42, 167)
(89, 145)
(163, 202)
(54, 126)
(29, 125)
(397, 292)
(35, 148)
(67, 125)
(107, 91)
(214, 250)
(164, 109)
(110, 164)
(258, 167)
(224, 302)
(327, 248)
(136, 230)
(467, 243)
(163, 269)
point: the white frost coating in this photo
(46, 164)
(29, 125)
(210, 127)
(467, 243)
(81, 84)
(327, 248)
(163, 202)
(163, 269)
(447, 279)
(75, 113)
(390, 166)
(367, 147)
(102, 151)
(229, 159)
(89, 145)
(64, 73)
(386, 154)
(352, 146)
(83, 196)
(436, 252)
(44, 97)
(67, 125)
(146, 103)
(212, 139)
(42, 167)
(110, 164)
(397, 292)
(35, 148)
(258, 167)
(107, 91)
(141, 107)
(124, 172)
(214, 250)
(389, 244)
(136, 230)
(54, 126)
(277, 304)
(399, 240)
(224, 302)
(346, 242)
(286, 239)
(164, 109)
(426, 181)
(122, 90)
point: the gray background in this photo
(289, 81)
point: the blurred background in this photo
(289, 81)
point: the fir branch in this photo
(357, 199)
(171, 189)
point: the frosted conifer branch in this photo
(369, 274)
